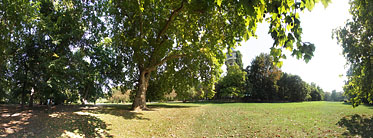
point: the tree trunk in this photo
(23, 96)
(139, 102)
(31, 102)
(83, 98)
(82, 101)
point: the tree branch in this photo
(173, 14)
(164, 60)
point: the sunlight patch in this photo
(16, 114)
(89, 107)
(68, 134)
(5, 115)
(56, 115)
(85, 113)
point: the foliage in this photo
(233, 84)
(334, 96)
(327, 96)
(157, 93)
(356, 40)
(53, 47)
(317, 94)
(191, 93)
(263, 75)
(46, 48)
(266, 82)
(120, 95)
(186, 39)
(293, 88)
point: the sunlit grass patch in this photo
(307, 119)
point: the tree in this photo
(317, 94)
(172, 39)
(336, 96)
(40, 46)
(188, 37)
(14, 17)
(356, 40)
(263, 75)
(120, 95)
(333, 96)
(233, 84)
(327, 96)
(293, 88)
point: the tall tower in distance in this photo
(234, 57)
(231, 58)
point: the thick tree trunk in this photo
(139, 102)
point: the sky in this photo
(328, 63)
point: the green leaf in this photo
(218, 2)
(279, 64)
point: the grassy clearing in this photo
(307, 119)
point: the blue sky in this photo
(328, 62)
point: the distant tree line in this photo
(335, 96)
(263, 81)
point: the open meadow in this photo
(304, 119)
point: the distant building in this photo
(231, 58)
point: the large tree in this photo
(233, 84)
(38, 39)
(293, 88)
(185, 39)
(356, 39)
(263, 75)
(317, 94)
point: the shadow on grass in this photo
(357, 125)
(156, 106)
(59, 121)
(125, 110)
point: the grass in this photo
(305, 119)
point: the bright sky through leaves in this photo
(328, 63)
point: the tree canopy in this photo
(233, 84)
(186, 39)
(356, 39)
(263, 75)
(44, 45)
(133, 42)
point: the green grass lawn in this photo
(306, 119)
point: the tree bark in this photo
(83, 98)
(23, 96)
(139, 102)
(31, 102)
